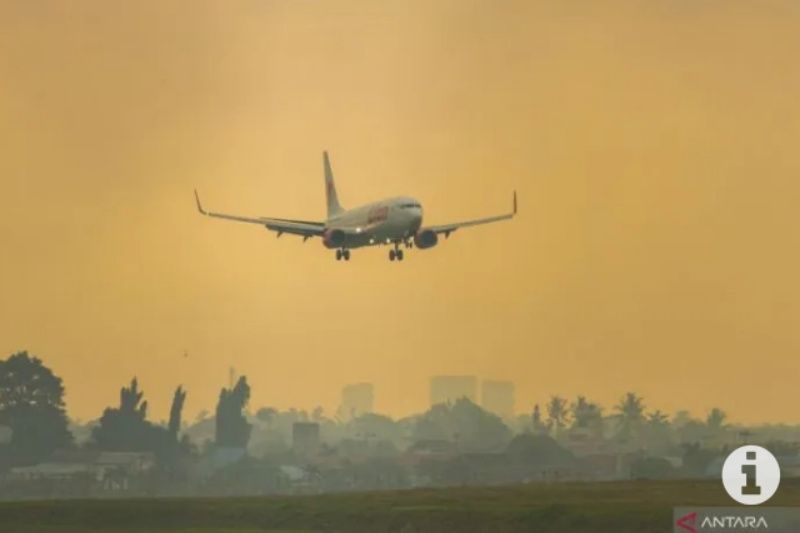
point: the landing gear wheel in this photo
(399, 255)
(346, 255)
(392, 255)
(338, 255)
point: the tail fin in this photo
(330, 188)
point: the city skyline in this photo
(435, 394)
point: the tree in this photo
(587, 416)
(32, 405)
(658, 436)
(688, 429)
(378, 427)
(681, 418)
(267, 415)
(176, 410)
(557, 414)
(232, 428)
(536, 420)
(657, 419)
(126, 429)
(465, 423)
(716, 426)
(716, 419)
(630, 412)
(631, 408)
(130, 400)
(541, 450)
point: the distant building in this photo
(451, 388)
(106, 471)
(498, 397)
(357, 399)
(305, 439)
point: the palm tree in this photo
(630, 411)
(631, 407)
(657, 419)
(587, 415)
(557, 414)
(715, 424)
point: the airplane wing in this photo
(304, 228)
(447, 229)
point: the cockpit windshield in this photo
(410, 205)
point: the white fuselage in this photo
(388, 221)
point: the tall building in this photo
(305, 438)
(451, 388)
(498, 397)
(357, 399)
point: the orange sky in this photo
(654, 145)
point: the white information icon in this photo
(751, 475)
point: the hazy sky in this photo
(654, 145)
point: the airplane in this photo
(393, 221)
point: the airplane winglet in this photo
(515, 203)
(199, 205)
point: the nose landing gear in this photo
(343, 253)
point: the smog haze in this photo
(653, 146)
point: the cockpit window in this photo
(409, 206)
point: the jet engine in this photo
(425, 238)
(334, 238)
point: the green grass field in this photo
(634, 507)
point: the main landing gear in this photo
(396, 253)
(343, 253)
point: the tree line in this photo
(32, 406)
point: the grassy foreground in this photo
(632, 506)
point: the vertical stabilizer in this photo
(330, 188)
